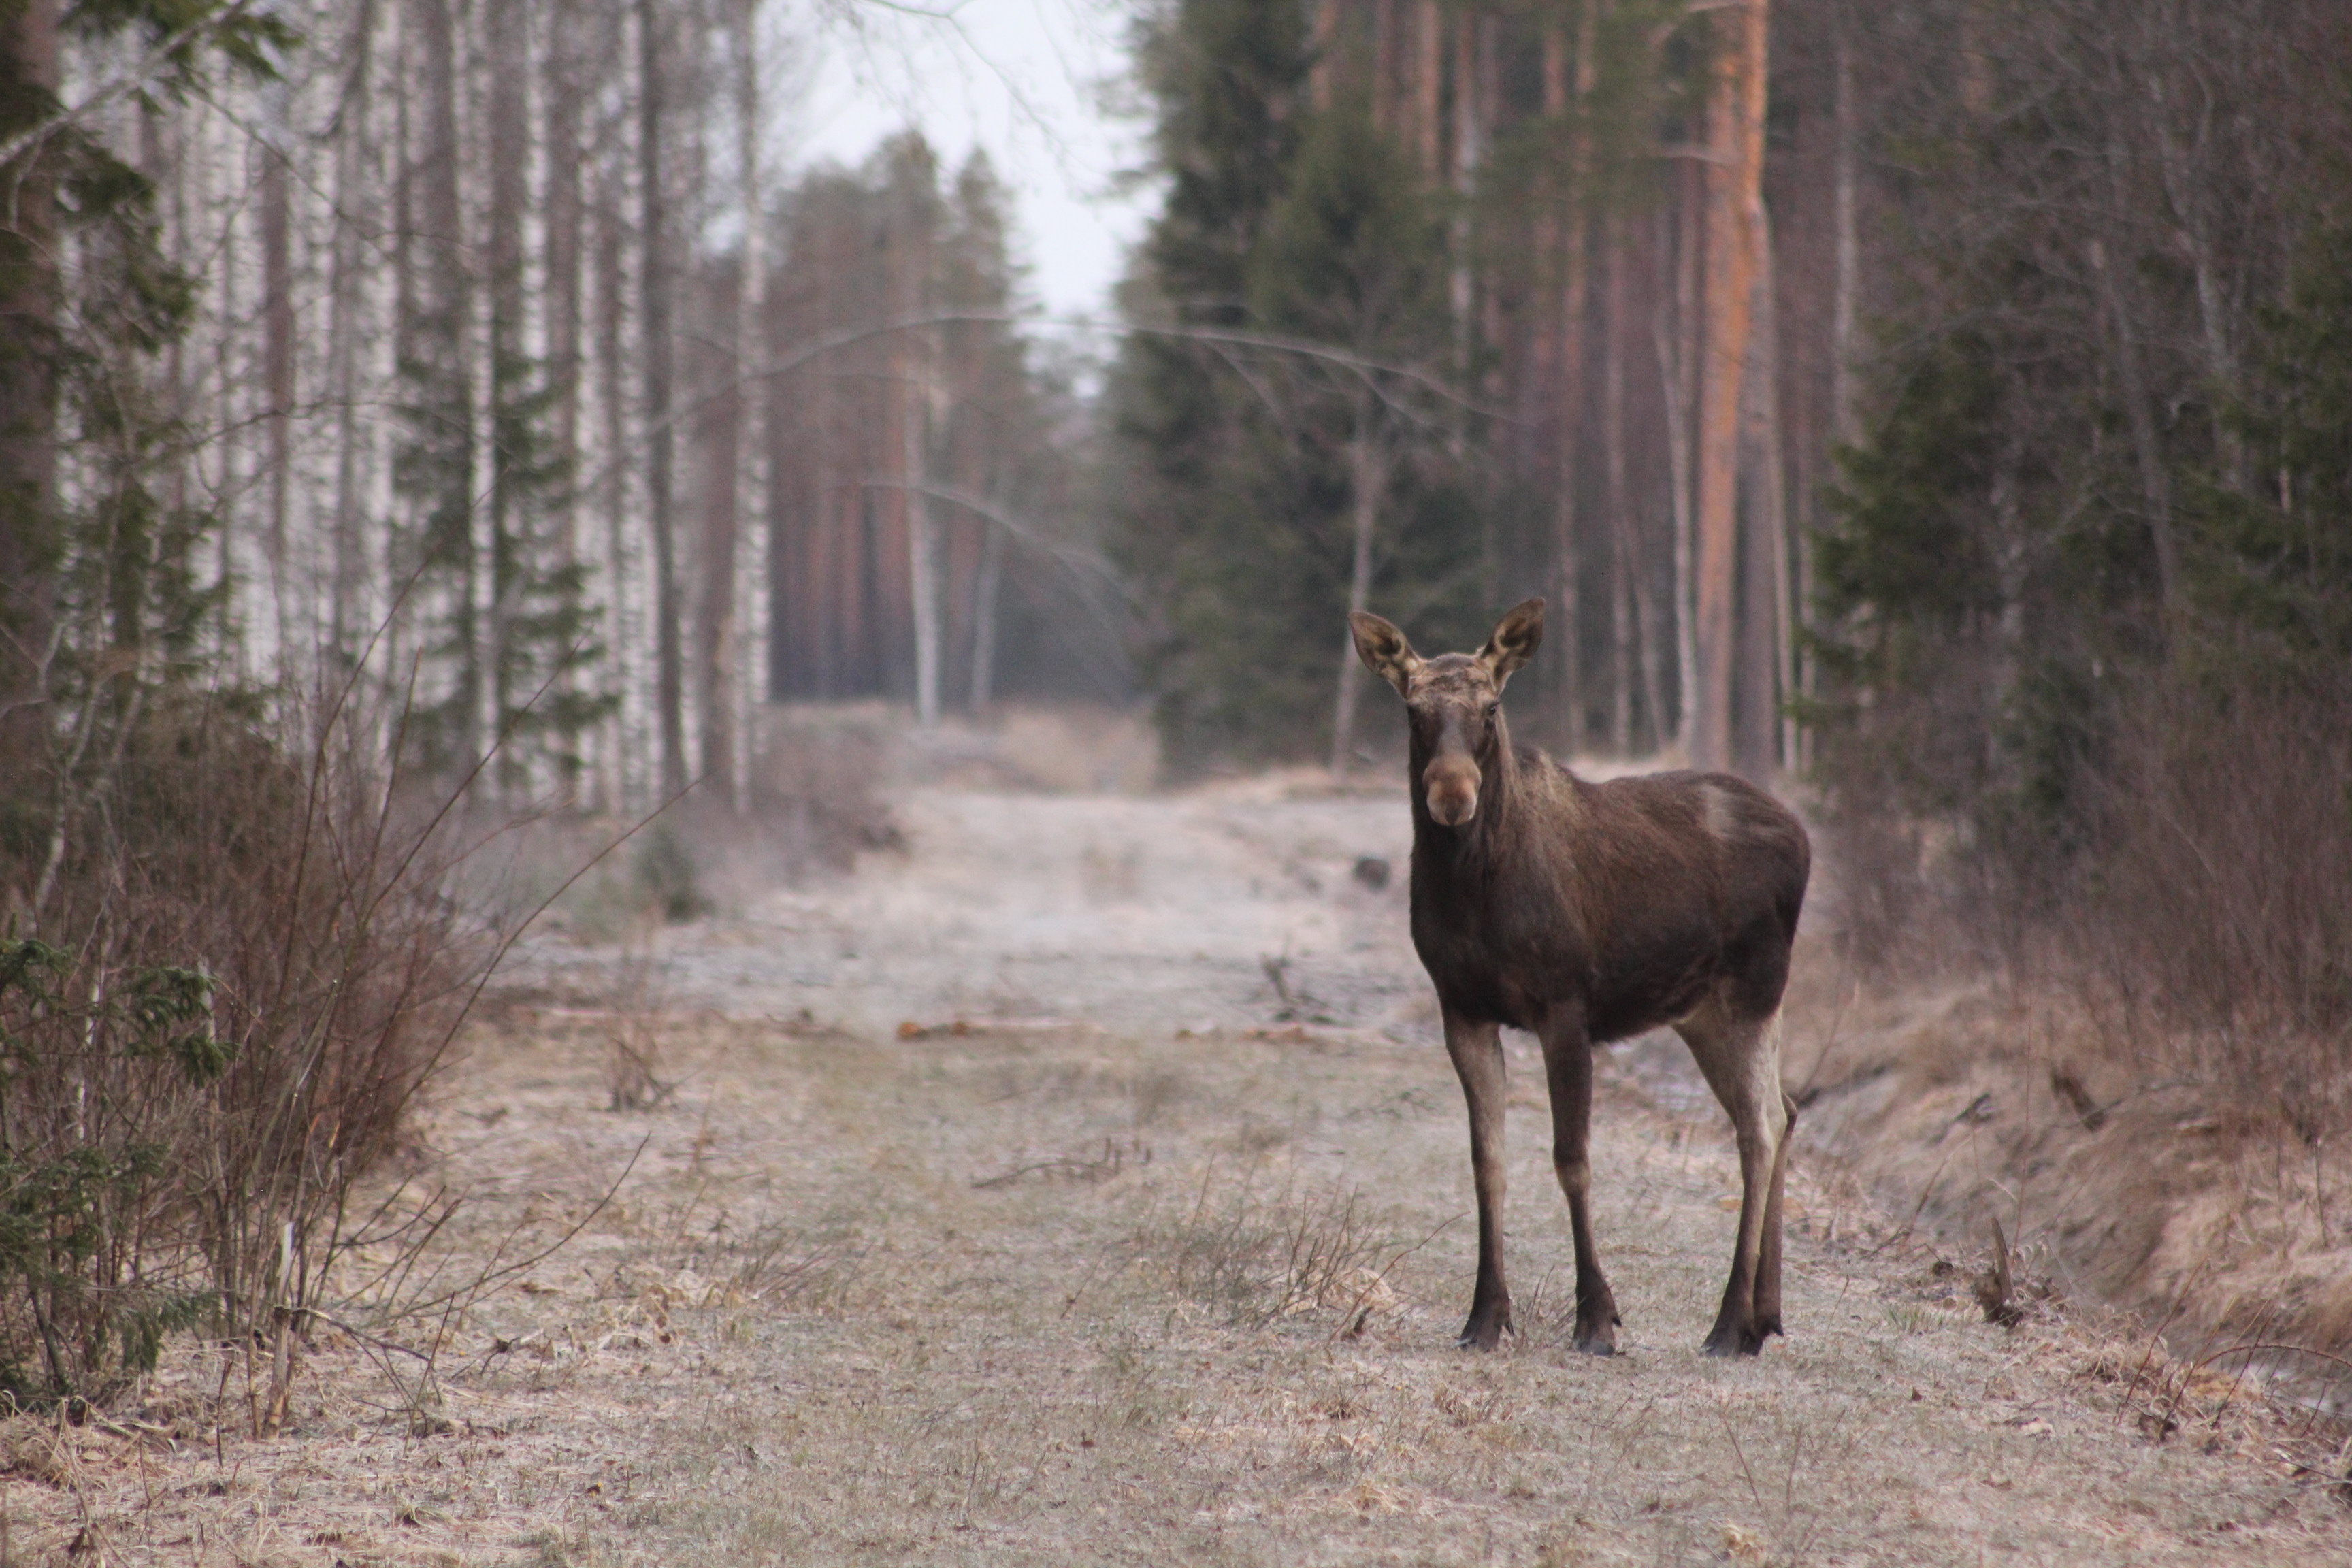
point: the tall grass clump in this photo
(1257, 1254)
(233, 968)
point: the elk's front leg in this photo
(1568, 1065)
(1478, 1052)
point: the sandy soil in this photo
(997, 1207)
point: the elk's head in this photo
(1454, 703)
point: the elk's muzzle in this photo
(1450, 787)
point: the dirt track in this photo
(1105, 1259)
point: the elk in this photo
(1586, 913)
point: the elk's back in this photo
(1627, 901)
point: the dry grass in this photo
(810, 1328)
(2206, 1212)
(2128, 1038)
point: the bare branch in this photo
(149, 66)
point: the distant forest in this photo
(1937, 351)
(483, 353)
(1881, 390)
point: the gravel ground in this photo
(1133, 914)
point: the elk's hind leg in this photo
(1478, 1052)
(1740, 1057)
(1568, 1064)
(1768, 1261)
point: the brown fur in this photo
(1586, 913)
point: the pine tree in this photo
(949, 428)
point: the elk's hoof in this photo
(1734, 1341)
(1596, 1334)
(1484, 1331)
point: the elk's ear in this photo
(1515, 640)
(1383, 649)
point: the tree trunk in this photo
(920, 368)
(926, 598)
(406, 289)
(1843, 421)
(1628, 617)
(721, 447)
(1678, 344)
(353, 138)
(1367, 480)
(29, 391)
(278, 370)
(509, 40)
(1428, 88)
(659, 352)
(1734, 174)
(564, 85)
(2139, 415)
(984, 590)
(821, 599)
(1763, 675)
(1469, 146)
(754, 529)
(1321, 74)
(1788, 613)
(2186, 189)
(445, 310)
(1575, 260)
(618, 776)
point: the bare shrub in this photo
(1878, 885)
(2164, 922)
(242, 972)
(2215, 916)
(2181, 878)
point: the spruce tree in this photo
(1251, 473)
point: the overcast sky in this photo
(1025, 80)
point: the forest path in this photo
(1130, 1268)
(1149, 1266)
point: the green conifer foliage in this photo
(1313, 227)
(2276, 562)
(112, 576)
(546, 629)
